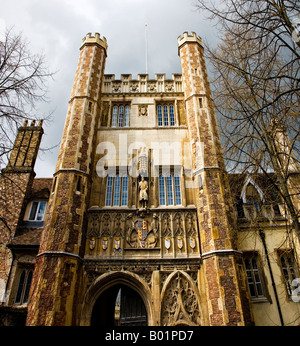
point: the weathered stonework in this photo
(214, 205)
(59, 262)
(15, 185)
(158, 244)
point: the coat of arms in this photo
(104, 243)
(117, 245)
(92, 243)
(180, 242)
(142, 228)
(192, 242)
(167, 243)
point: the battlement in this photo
(186, 38)
(90, 40)
(32, 124)
(160, 84)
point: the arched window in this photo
(252, 194)
(252, 197)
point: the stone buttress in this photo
(223, 270)
(57, 275)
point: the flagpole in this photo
(146, 47)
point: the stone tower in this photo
(163, 241)
(58, 269)
(222, 263)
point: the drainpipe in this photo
(262, 236)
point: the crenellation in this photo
(143, 84)
(92, 40)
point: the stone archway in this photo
(119, 305)
(105, 289)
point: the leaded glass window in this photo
(254, 277)
(116, 191)
(120, 116)
(169, 189)
(165, 115)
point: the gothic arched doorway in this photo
(119, 305)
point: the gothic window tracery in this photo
(180, 304)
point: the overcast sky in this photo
(56, 28)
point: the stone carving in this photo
(118, 229)
(140, 237)
(268, 212)
(169, 87)
(148, 278)
(132, 238)
(178, 228)
(180, 304)
(116, 87)
(134, 87)
(143, 110)
(93, 230)
(190, 224)
(151, 86)
(250, 212)
(144, 229)
(166, 225)
(105, 112)
(106, 222)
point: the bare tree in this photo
(23, 84)
(256, 90)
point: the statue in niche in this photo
(143, 194)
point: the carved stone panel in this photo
(180, 305)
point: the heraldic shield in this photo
(142, 228)
(117, 245)
(104, 243)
